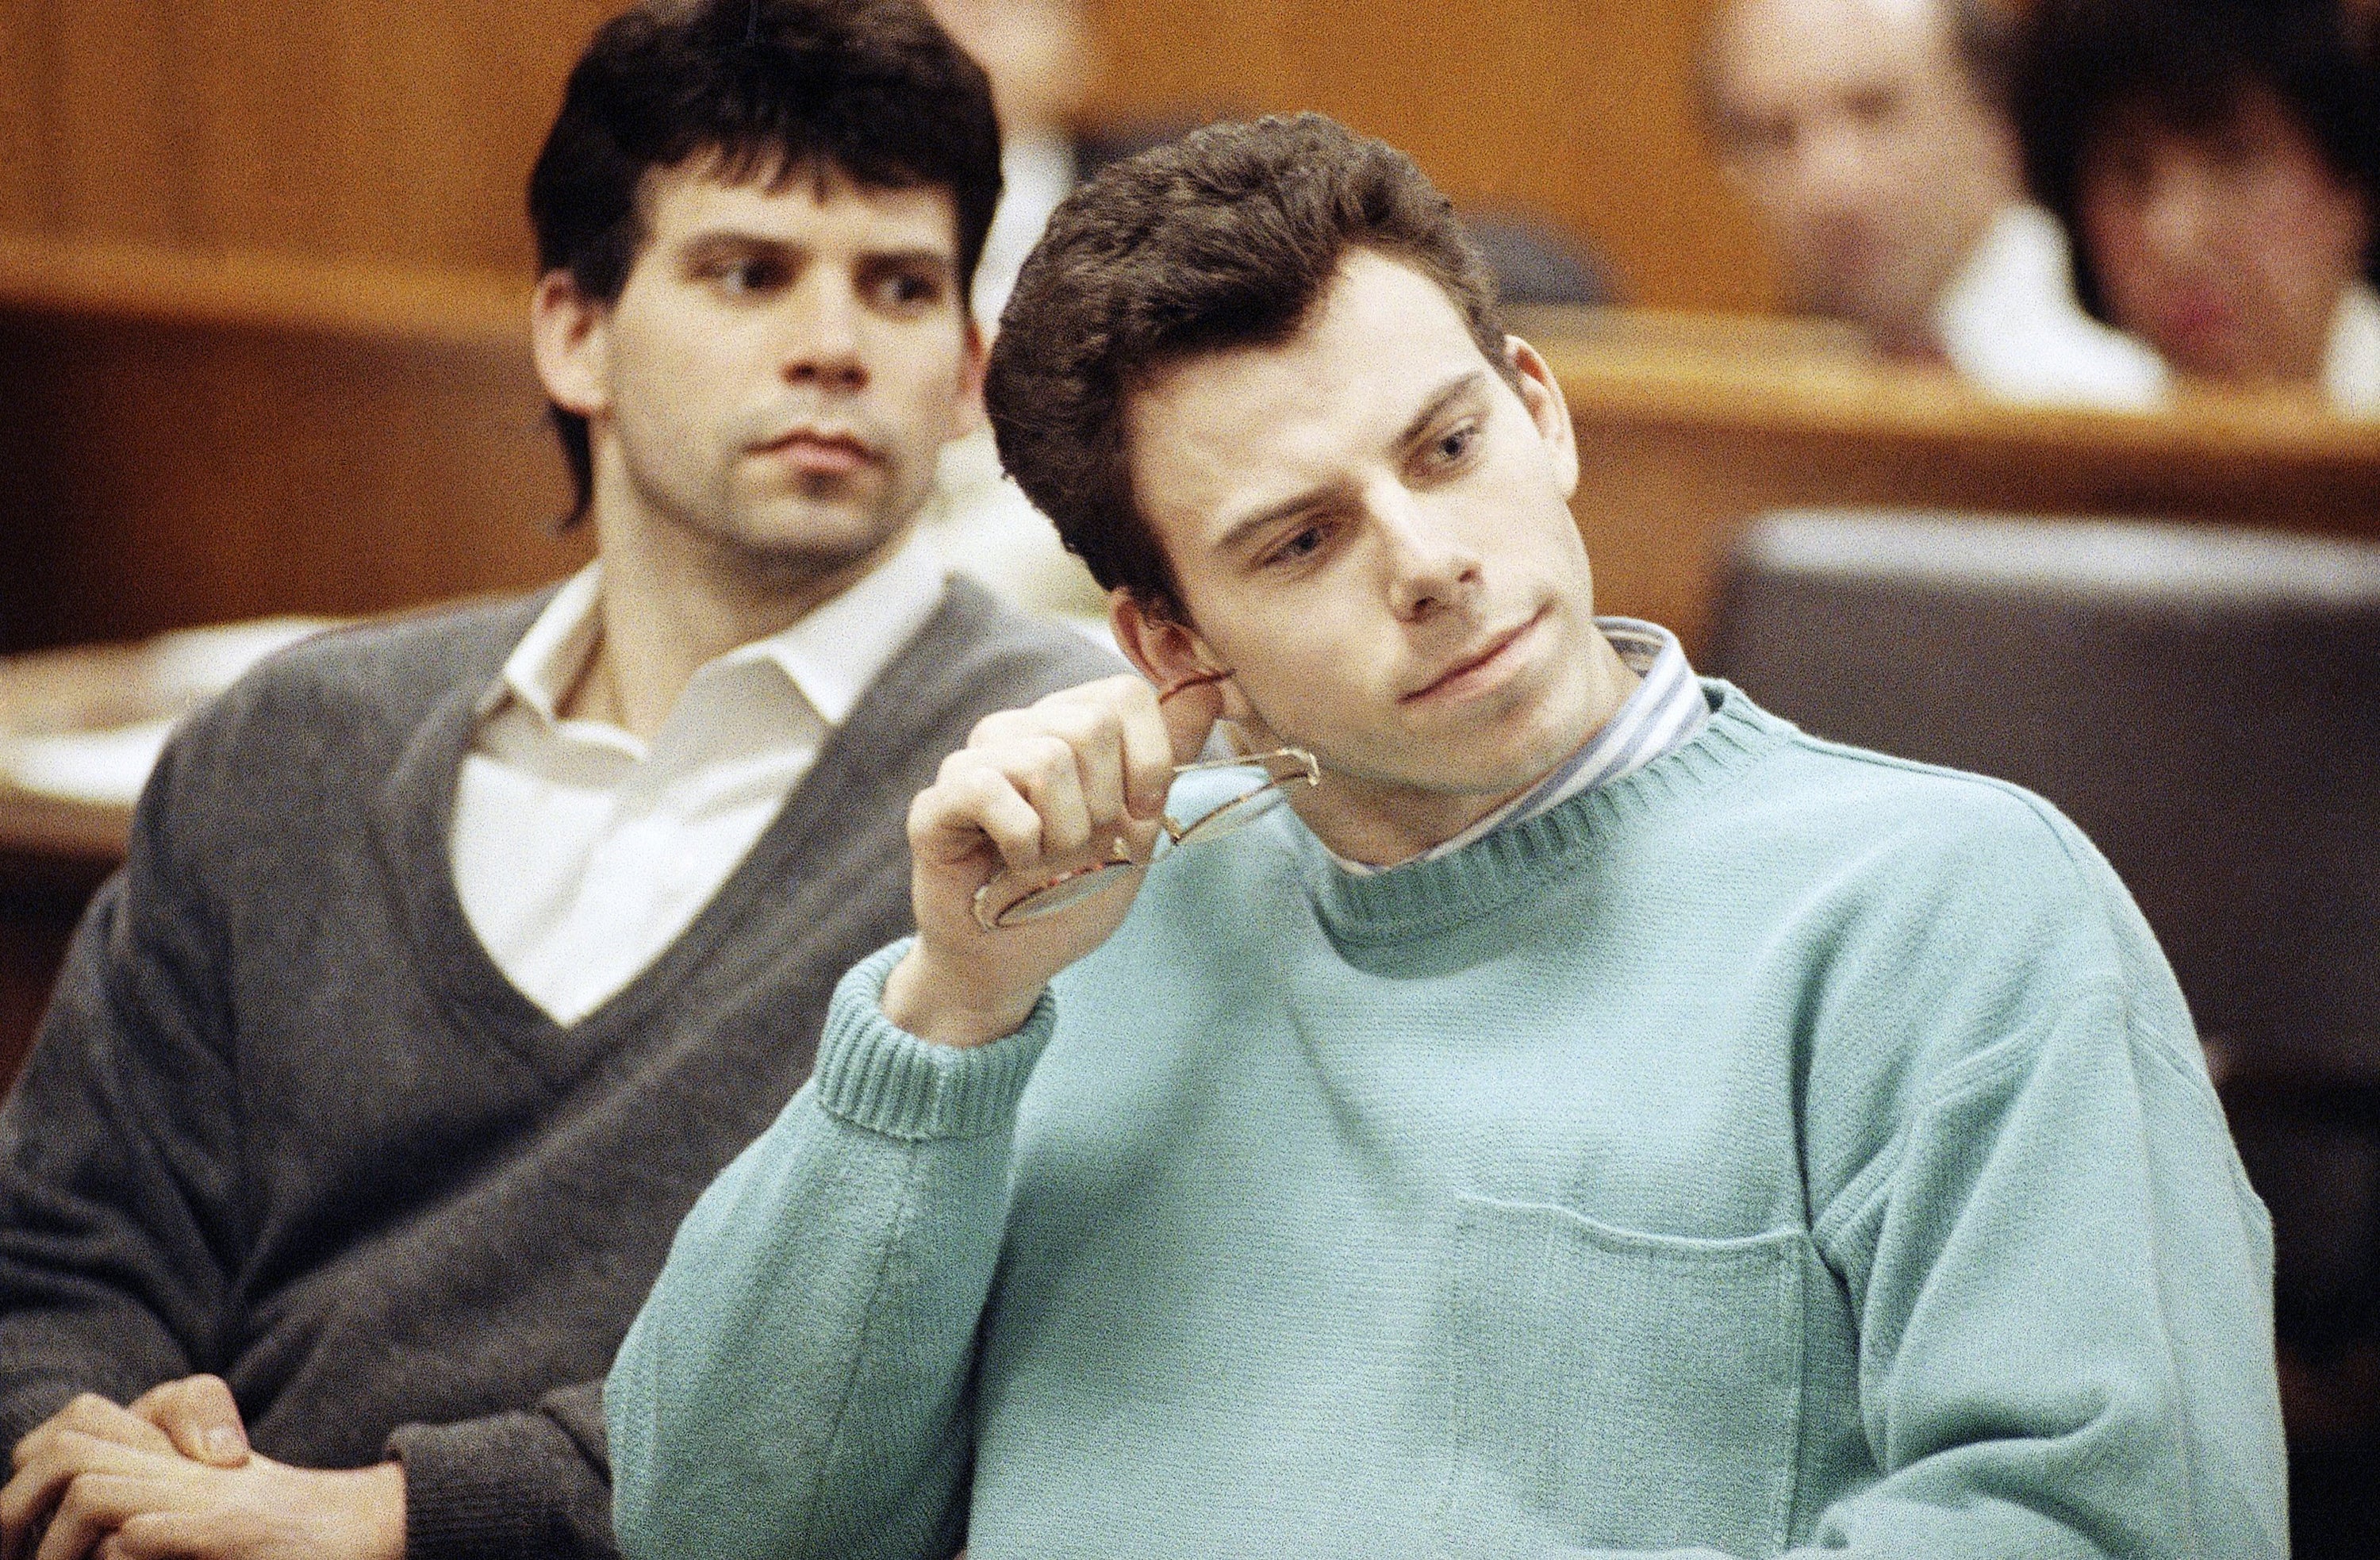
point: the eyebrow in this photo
(1467, 383)
(712, 240)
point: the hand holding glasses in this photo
(1209, 799)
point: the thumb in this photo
(1191, 711)
(199, 1415)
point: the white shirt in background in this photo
(1035, 173)
(2351, 374)
(981, 524)
(2011, 326)
(580, 852)
(979, 520)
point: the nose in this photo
(1833, 167)
(2178, 203)
(821, 347)
(1432, 567)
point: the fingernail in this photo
(224, 1444)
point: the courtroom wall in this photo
(1581, 110)
(401, 131)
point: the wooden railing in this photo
(1688, 426)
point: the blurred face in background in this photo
(1860, 135)
(2227, 249)
(1036, 53)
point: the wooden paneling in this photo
(1579, 109)
(24, 117)
(1688, 428)
(402, 131)
(376, 129)
(192, 441)
(233, 475)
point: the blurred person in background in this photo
(454, 956)
(1871, 137)
(2216, 162)
(1039, 55)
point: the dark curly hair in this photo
(2188, 63)
(776, 90)
(1225, 238)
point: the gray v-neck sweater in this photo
(288, 1122)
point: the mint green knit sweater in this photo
(1783, 1146)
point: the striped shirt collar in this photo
(1664, 714)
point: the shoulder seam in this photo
(2042, 812)
(1970, 1075)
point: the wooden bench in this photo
(1688, 426)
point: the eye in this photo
(1452, 446)
(1873, 106)
(906, 290)
(748, 277)
(2229, 151)
(1297, 546)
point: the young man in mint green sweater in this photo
(1594, 1120)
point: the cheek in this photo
(918, 372)
(670, 379)
(2115, 235)
(1311, 674)
(2305, 233)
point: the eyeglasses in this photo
(1223, 796)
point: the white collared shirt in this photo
(580, 852)
(2351, 374)
(2010, 324)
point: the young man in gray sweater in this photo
(454, 957)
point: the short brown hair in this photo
(872, 90)
(1225, 239)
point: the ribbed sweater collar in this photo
(1424, 897)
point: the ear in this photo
(966, 412)
(1167, 652)
(569, 334)
(1155, 639)
(1543, 397)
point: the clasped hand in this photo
(173, 1476)
(1079, 769)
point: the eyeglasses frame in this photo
(1304, 769)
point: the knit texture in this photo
(1782, 1148)
(286, 1121)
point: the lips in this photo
(823, 451)
(1473, 665)
(2193, 323)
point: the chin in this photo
(820, 537)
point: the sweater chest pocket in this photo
(1612, 1390)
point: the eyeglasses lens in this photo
(1235, 814)
(1062, 894)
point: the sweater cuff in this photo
(468, 1496)
(874, 1074)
